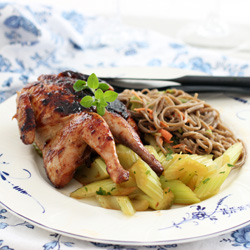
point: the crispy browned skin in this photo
(26, 118)
(64, 149)
(126, 135)
(49, 114)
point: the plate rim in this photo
(135, 243)
(138, 243)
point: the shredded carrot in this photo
(211, 127)
(142, 109)
(139, 109)
(183, 116)
(161, 141)
(151, 128)
(178, 145)
(136, 95)
(189, 150)
(166, 135)
(163, 124)
(150, 111)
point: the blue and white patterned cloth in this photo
(38, 40)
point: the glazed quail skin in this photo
(49, 114)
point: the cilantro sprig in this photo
(101, 94)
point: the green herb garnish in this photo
(206, 180)
(176, 139)
(170, 150)
(101, 94)
(101, 191)
(169, 157)
(209, 131)
(169, 154)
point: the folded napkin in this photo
(39, 39)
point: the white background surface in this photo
(231, 10)
(167, 16)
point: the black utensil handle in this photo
(194, 89)
(229, 81)
(201, 80)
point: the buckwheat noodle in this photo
(194, 124)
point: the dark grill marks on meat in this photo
(119, 108)
(26, 118)
(29, 121)
(62, 105)
(49, 113)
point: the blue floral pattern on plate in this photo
(201, 214)
(5, 176)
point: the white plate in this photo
(26, 192)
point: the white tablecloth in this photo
(43, 40)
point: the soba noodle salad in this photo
(186, 135)
(177, 122)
